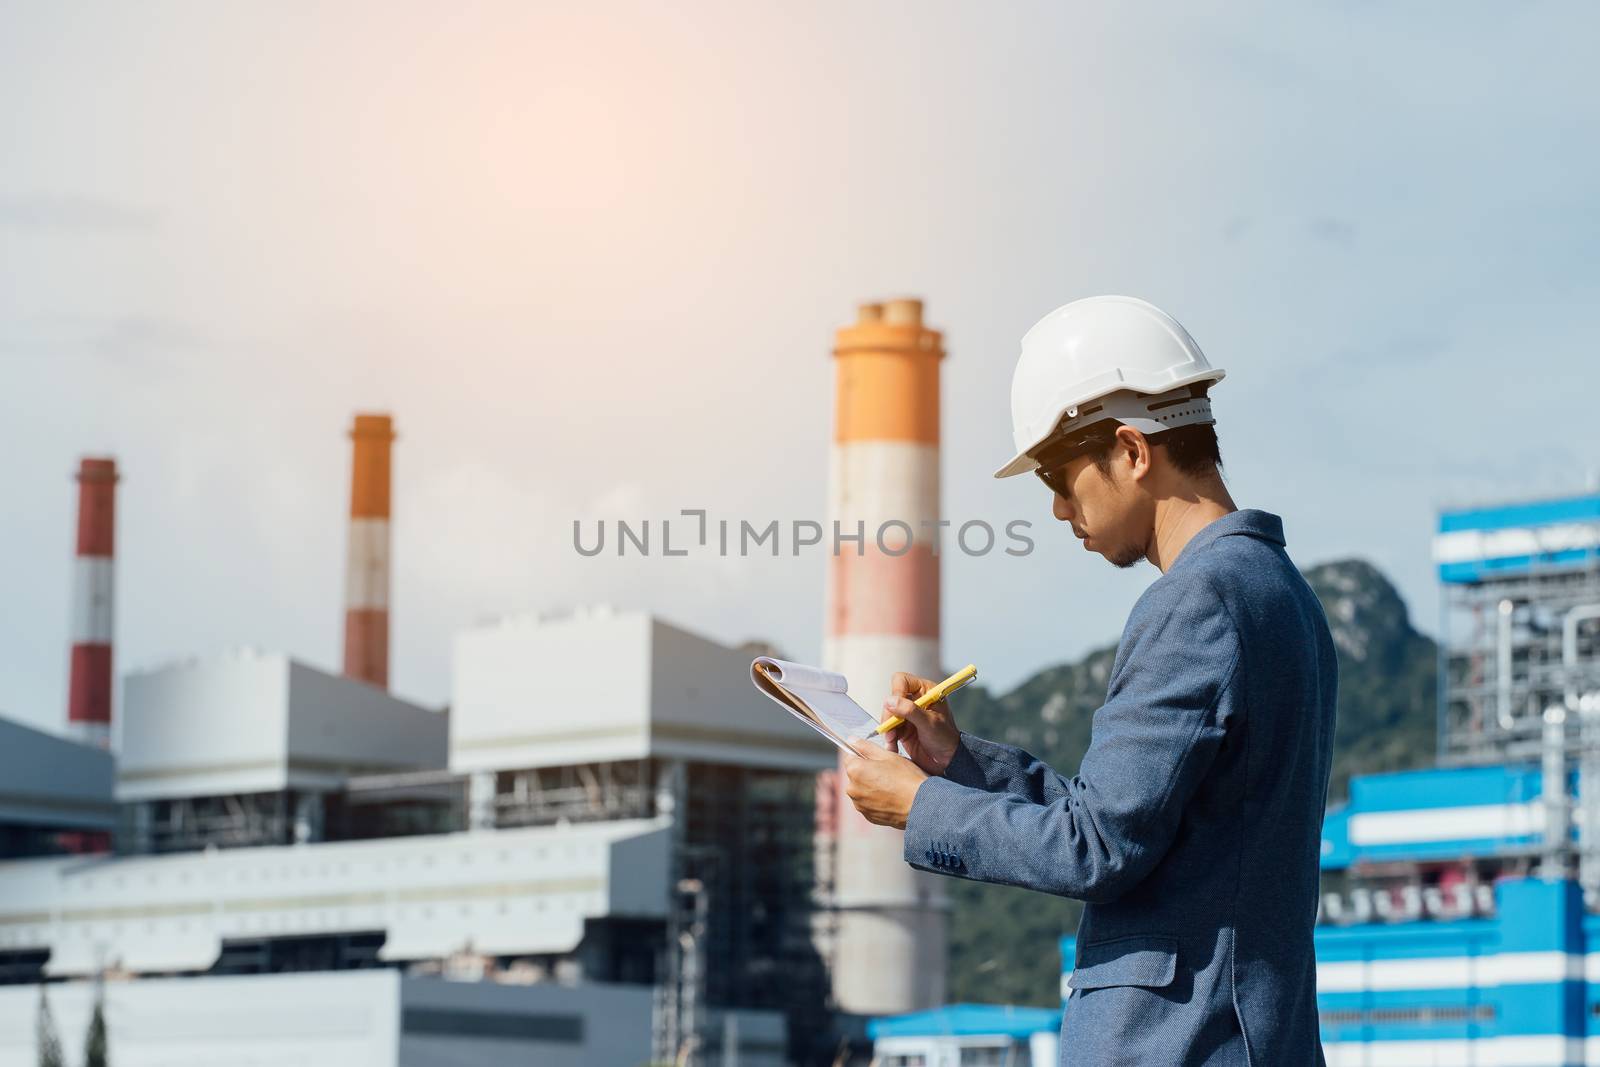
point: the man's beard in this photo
(1126, 557)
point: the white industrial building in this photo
(608, 825)
(245, 749)
(343, 1018)
(608, 686)
(520, 892)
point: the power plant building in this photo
(252, 748)
(606, 715)
(607, 839)
(626, 824)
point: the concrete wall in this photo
(704, 707)
(349, 1019)
(205, 728)
(339, 726)
(543, 694)
(461, 1024)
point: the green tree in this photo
(48, 1041)
(95, 1054)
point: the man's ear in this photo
(1135, 448)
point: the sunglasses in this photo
(1054, 457)
(1056, 479)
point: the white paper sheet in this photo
(817, 698)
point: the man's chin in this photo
(1122, 558)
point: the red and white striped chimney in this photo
(366, 590)
(89, 682)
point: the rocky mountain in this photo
(1003, 940)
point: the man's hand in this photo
(928, 734)
(882, 784)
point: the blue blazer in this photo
(1192, 828)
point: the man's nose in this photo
(1061, 509)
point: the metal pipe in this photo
(1502, 673)
(1557, 832)
(1569, 648)
(1589, 759)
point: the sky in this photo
(591, 257)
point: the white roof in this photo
(603, 686)
(260, 722)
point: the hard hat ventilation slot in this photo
(1077, 416)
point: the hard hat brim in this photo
(1129, 412)
(1021, 463)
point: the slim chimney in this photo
(89, 680)
(366, 600)
(883, 616)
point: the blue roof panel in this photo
(1444, 787)
(1476, 570)
(964, 1020)
(1509, 516)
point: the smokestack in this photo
(366, 600)
(89, 681)
(883, 617)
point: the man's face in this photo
(1106, 511)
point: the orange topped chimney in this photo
(366, 601)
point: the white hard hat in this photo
(1105, 357)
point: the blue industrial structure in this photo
(1453, 813)
(1460, 924)
(1517, 986)
(1482, 544)
(1442, 952)
(966, 1035)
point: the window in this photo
(1423, 1015)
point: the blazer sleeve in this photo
(999, 768)
(1097, 834)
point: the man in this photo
(1192, 828)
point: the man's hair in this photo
(1191, 449)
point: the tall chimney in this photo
(89, 680)
(366, 597)
(883, 617)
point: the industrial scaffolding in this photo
(1520, 667)
(739, 928)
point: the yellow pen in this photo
(934, 695)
